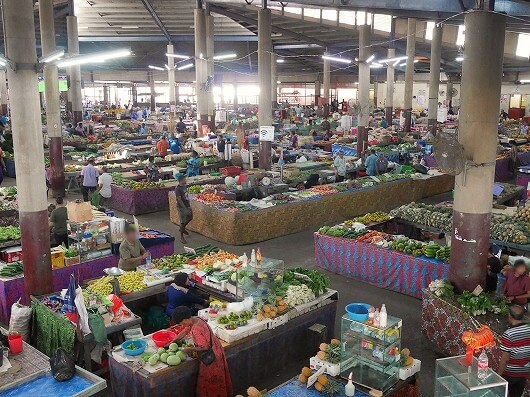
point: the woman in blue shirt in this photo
(179, 295)
(370, 163)
(193, 164)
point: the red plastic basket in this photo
(232, 170)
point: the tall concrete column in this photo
(317, 91)
(364, 88)
(19, 33)
(389, 101)
(74, 94)
(409, 72)
(326, 82)
(3, 92)
(134, 94)
(264, 71)
(171, 83)
(177, 94)
(448, 96)
(209, 55)
(201, 69)
(53, 104)
(236, 100)
(480, 97)
(106, 95)
(152, 92)
(274, 80)
(434, 76)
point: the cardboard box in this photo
(79, 212)
(71, 261)
(12, 254)
(57, 257)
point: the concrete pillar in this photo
(210, 68)
(236, 100)
(53, 104)
(152, 92)
(317, 91)
(19, 32)
(264, 72)
(116, 95)
(434, 76)
(171, 83)
(409, 72)
(201, 69)
(389, 102)
(375, 94)
(134, 94)
(3, 92)
(177, 94)
(106, 95)
(364, 88)
(274, 80)
(326, 80)
(74, 71)
(448, 96)
(480, 97)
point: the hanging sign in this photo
(266, 133)
(441, 116)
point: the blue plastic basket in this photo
(358, 311)
(134, 352)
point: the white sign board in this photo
(266, 133)
(441, 116)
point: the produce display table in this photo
(34, 376)
(240, 228)
(249, 359)
(294, 388)
(443, 323)
(12, 288)
(382, 267)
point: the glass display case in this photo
(257, 281)
(454, 378)
(371, 354)
(91, 239)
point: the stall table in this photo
(240, 228)
(249, 359)
(523, 178)
(444, 321)
(382, 267)
(12, 288)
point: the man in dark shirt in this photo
(326, 126)
(58, 221)
(494, 268)
(181, 126)
(221, 144)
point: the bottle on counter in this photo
(376, 318)
(483, 365)
(383, 317)
(349, 389)
(253, 258)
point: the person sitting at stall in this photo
(326, 125)
(142, 130)
(59, 223)
(494, 268)
(524, 128)
(340, 166)
(221, 146)
(79, 130)
(181, 126)
(293, 140)
(214, 377)
(178, 294)
(132, 252)
(162, 147)
(370, 163)
(384, 123)
(516, 289)
(193, 168)
(134, 116)
(152, 172)
(174, 145)
(381, 164)
(313, 180)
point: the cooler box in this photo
(12, 254)
(232, 170)
(57, 257)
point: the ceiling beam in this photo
(156, 18)
(251, 21)
(158, 38)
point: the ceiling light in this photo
(459, 58)
(524, 81)
(130, 27)
(155, 67)
(187, 66)
(224, 56)
(294, 46)
(336, 59)
(396, 63)
(376, 65)
(356, 59)
(416, 60)
(96, 57)
(52, 56)
(370, 58)
(393, 59)
(201, 56)
(403, 64)
(280, 60)
(179, 56)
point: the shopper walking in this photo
(515, 347)
(105, 191)
(90, 176)
(183, 206)
(59, 223)
(214, 377)
(340, 167)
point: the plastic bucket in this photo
(15, 343)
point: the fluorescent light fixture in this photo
(187, 66)
(155, 67)
(524, 81)
(224, 56)
(52, 56)
(166, 66)
(278, 82)
(356, 59)
(201, 56)
(459, 58)
(370, 58)
(295, 46)
(96, 57)
(403, 64)
(393, 59)
(416, 60)
(179, 56)
(376, 65)
(280, 60)
(130, 27)
(336, 59)
(396, 63)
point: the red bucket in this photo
(15, 343)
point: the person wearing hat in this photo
(132, 252)
(340, 166)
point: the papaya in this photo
(323, 347)
(323, 380)
(307, 372)
(319, 386)
(335, 342)
(321, 355)
(302, 379)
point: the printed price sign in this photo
(266, 133)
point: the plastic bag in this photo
(95, 198)
(19, 321)
(62, 365)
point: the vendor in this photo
(79, 130)
(370, 163)
(381, 164)
(174, 145)
(152, 172)
(178, 294)
(193, 164)
(132, 252)
(384, 123)
(181, 126)
(59, 223)
(142, 130)
(517, 286)
(213, 379)
(221, 146)
(326, 126)
(162, 147)
(293, 140)
(340, 166)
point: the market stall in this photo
(230, 223)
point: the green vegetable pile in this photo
(482, 303)
(9, 233)
(341, 231)
(69, 252)
(195, 189)
(12, 269)
(317, 282)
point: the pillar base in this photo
(389, 113)
(265, 160)
(78, 116)
(202, 120)
(469, 247)
(57, 166)
(36, 241)
(362, 137)
(432, 126)
(408, 120)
